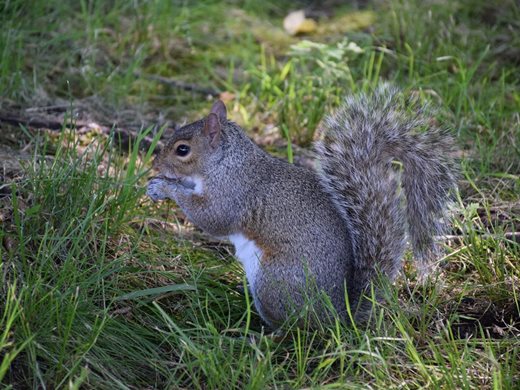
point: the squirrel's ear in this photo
(219, 109)
(212, 129)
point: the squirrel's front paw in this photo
(158, 189)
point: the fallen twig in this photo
(38, 123)
(123, 136)
(180, 84)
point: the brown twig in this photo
(180, 84)
(38, 123)
(123, 136)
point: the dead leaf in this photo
(296, 23)
(226, 96)
(10, 243)
(10, 161)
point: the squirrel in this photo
(329, 230)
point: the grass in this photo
(102, 289)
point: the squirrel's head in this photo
(190, 147)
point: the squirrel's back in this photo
(301, 238)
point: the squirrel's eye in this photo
(182, 150)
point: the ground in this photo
(101, 288)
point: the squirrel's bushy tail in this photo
(357, 152)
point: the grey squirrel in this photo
(337, 226)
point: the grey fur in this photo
(360, 142)
(330, 229)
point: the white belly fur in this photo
(248, 254)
